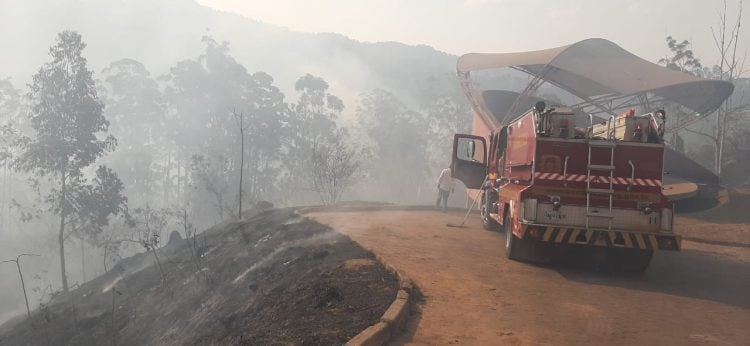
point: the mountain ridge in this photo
(162, 32)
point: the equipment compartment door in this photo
(469, 163)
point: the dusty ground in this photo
(727, 224)
(473, 295)
(275, 279)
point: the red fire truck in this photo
(585, 175)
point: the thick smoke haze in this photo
(214, 112)
(159, 33)
(136, 51)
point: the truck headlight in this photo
(529, 209)
(666, 219)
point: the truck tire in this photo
(634, 261)
(515, 249)
(640, 261)
(484, 211)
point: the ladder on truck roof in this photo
(608, 143)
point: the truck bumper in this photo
(567, 235)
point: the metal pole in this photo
(23, 285)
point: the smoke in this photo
(317, 239)
(160, 33)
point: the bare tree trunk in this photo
(167, 171)
(730, 68)
(193, 254)
(83, 261)
(719, 144)
(179, 177)
(3, 215)
(242, 165)
(158, 263)
(23, 286)
(105, 258)
(61, 234)
(185, 177)
(114, 328)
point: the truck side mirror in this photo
(470, 149)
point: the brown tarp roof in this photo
(596, 68)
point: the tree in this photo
(334, 164)
(316, 110)
(268, 116)
(150, 223)
(399, 138)
(313, 122)
(202, 93)
(445, 105)
(136, 110)
(66, 116)
(17, 261)
(93, 204)
(212, 175)
(10, 109)
(682, 58)
(730, 68)
(240, 118)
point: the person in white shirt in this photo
(445, 187)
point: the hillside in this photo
(274, 278)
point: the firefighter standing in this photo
(445, 187)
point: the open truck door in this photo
(469, 160)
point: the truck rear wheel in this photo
(633, 261)
(515, 249)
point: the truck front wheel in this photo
(487, 221)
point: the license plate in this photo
(555, 215)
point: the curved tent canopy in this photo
(600, 73)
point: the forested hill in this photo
(183, 117)
(209, 112)
(160, 32)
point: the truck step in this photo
(606, 216)
(602, 167)
(602, 143)
(601, 191)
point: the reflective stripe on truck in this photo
(600, 237)
(597, 179)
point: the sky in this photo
(462, 26)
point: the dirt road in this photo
(474, 295)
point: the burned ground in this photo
(274, 278)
